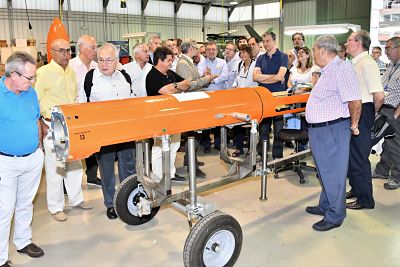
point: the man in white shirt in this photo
(81, 64)
(298, 40)
(139, 68)
(172, 45)
(109, 83)
(232, 62)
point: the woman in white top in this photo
(305, 71)
(243, 79)
(245, 68)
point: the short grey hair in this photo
(395, 40)
(329, 43)
(81, 41)
(187, 44)
(138, 48)
(151, 39)
(106, 45)
(17, 61)
(363, 37)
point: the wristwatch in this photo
(175, 85)
(353, 128)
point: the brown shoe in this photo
(84, 205)
(60, 216)
(32, 250)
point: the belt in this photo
(323, 124)
(14, 156)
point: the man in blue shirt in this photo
(21, 156)
(269, 72)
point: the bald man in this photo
(81, 64)
(56, 85)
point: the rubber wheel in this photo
(125, 201)
(216, 240)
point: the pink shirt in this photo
(336, 86)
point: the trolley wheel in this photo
(125, 200)
(302, 181)
(215, 240)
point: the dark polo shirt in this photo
(271, 65)
(155, 80)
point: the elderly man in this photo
(369, 80)
(81, 64)
(187, 70)
(215, 66)
(163, 81)
(108, 83)
(270, 72)
(172, 45)
(332, 111)
(255, 48)
(154, 43)
(139, 68)
(56, 85)
(389, 164)
(21, 156)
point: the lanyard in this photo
(395, 67)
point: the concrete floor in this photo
(276, 232)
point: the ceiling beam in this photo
(206, 7)
(230, 10)
(105, 3)
(177, 5)
(144, 4)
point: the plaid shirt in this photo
(391, 84)
(337, 85)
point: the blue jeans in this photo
(126, 167)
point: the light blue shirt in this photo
(217, 66)
(19, 115)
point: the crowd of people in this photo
(346, 97)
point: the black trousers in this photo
(265, 128)
(359, 172)
(91, 168)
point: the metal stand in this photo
(166, 163)
(264, 172)
(192, 173)
(146, 144)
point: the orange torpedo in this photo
(56, 31)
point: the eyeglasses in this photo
(28, 78)
(229, 49)
(106, 61)
(63, 51)
(389, 47)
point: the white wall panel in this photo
(87, 6)
(217, 14)
(190, 29)
(159, 9)
(3, 3)
(267, 11)
(4, 30)
(190, 11)
(241, 14)
(133, 7)
(38, 4)
(161, 25)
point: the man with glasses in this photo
(81, 64)
(298, 40)
(376, 54)
(56, 85)
(154, 43)
(21, 155)
(139, 68)
(389, 164)
(369, 81)
(108, 83)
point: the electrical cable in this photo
(29, 22)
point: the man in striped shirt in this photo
(332, 112)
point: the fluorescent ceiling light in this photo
(232, 3)
(134, 35)
(322, 29)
